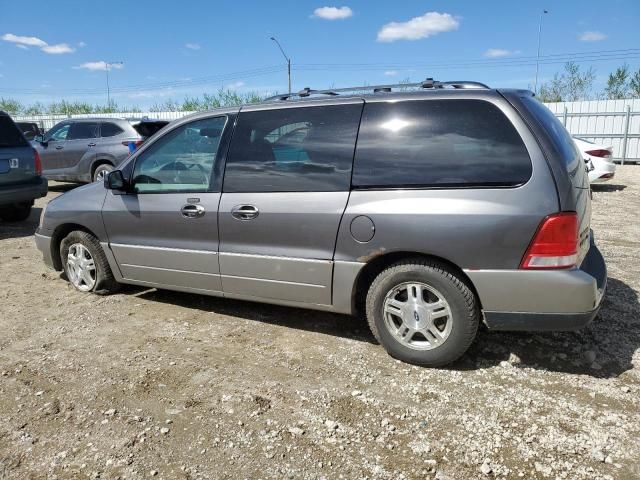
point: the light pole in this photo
(535, 84)
(287, 59)
(106, 68)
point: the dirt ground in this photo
(151, 383)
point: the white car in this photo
(599, 160)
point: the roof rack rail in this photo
(429, 83)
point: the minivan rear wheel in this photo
(422, 313)
(101, 171)
(86, 265)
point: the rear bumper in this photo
(25, 192)
(602, 172)
(542, 300)
(44, 245)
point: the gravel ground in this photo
(158, 384)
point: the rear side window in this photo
(10, 135)
(293, 150)
(83, 130)
(110, 130)
(441, 143)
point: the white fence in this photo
(611, 122)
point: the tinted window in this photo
(110, 130)
(559, 135)
(10, 136)
(182, 160)
(293, 150)
(81, 130)
(438, 143)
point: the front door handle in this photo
(244, 212)
(91, 144)
(59, 147)
(192, 211)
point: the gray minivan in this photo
(430, 208)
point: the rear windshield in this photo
(439, 143)
(10, 135)
(559, 135)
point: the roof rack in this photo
(429, 83)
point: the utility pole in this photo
(535, 84)
(287, 59)
(107, 65)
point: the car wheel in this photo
(101, 171)
(422, 313)
(86, 265)
(16, 213)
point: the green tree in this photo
(618, 83)
(634, 85)
(10, 105)
(570, 85)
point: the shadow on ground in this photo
(24, 228)
(613, 337)
(607, 187)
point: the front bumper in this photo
(537, 300)
(43, 243)
(25, 192)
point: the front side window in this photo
(440, 143)
(293, 149)
(59, 132)
(181, 160)
(83, 130)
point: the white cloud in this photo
(82, 44)
(500, 52)
(58, 49)
(391, 73)
(26, 42)
(591, 36)
(332, 13)
(100, 65)
(425, 26)
(193, 46)
(235, 85)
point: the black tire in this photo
(101, 170)
(465, 312)
(17, 212)
(105, 283)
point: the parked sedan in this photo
(599, 160)
(84, 150)
(20, 173)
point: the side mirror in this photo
(115, 180)
(40, 138)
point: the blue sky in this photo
(174, 49)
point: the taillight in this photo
(38, 162)
(555, 244)
(599, 153)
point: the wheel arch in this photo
(100, 161)
(59, 233)
(372, 269)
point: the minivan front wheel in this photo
(85, 264)
(422, 313)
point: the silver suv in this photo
(430, 208)
(85, 149)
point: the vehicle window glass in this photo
(182, 160)
(293, 149)
(559, 135)
(110, 130)
(439, 143)
(10, 136)
(82, 130)
(59, 132)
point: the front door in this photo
(287, 181)
(165, 233)
(52, 149)
(80, 145)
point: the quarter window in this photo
(439, 143)
(183, 160)
(293, 149)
